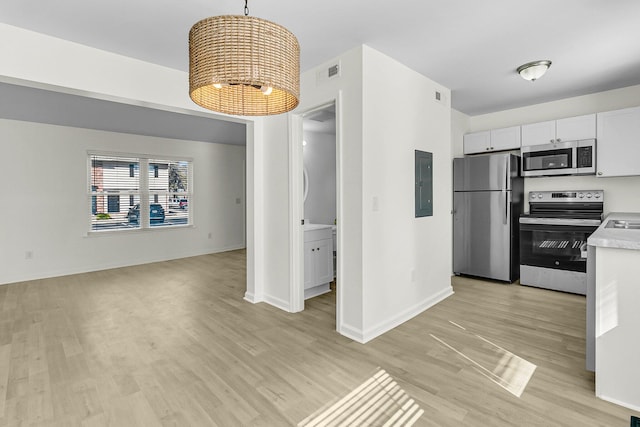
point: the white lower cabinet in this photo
(318, 262)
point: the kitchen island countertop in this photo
(614, 237)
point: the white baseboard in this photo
(111, 265)
(351, 332)
(408, 314)
(317, 290)
(620, 403)
(251, 297)
(278, 303)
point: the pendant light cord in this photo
(246, 8)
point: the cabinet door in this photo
(477, 142)
(539, 133)
(618, 144)
(309, 265)
(575, 128)
(505, 139)
(323, 261)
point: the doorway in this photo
(315, 187)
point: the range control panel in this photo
(566, 196)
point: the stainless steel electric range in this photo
(553, 238)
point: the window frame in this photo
(144, 192)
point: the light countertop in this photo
(614, 237)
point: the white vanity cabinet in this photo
(618, 146)
(492, 140)
(569, 129)
(318, 259)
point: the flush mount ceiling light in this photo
(243, 65)
(534, 70)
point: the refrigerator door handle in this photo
(507, 173)
(506, 195)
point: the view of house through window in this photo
(122, 198)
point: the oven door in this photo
(555, 242)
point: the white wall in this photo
(391, 268)
(275, 213)
(49, 209)
(346, 91)
(320, 163)
(272, 161)
(47, 60)
(405, 259)
(38, 60)
(621, 194)
(459, 126)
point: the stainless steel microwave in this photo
(560, 158)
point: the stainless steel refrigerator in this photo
(488, 198)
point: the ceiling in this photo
(472, 47)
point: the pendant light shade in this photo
(534, 70)
(244, 66)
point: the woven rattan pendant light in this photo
(243, 65)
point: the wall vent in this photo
(440, 98)
(331, 72)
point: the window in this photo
(160, 198)
(113, 203)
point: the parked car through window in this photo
(156, 213)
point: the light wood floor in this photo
(174, 343)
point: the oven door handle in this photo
(583, 250)
(561, 221)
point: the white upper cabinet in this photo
(493, 140)
(618, 145)
(569, 129)
(575, 128)
(477, 142)
(505, 138)
(539, 133)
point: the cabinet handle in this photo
(313, 250)
(551, 140)
(558, 140)
(487, 148)
(492, 148)
(599, 173)
(317, 249)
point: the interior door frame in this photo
(296, 207)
